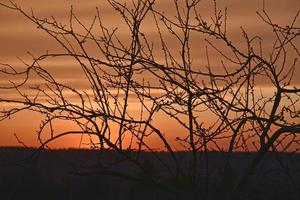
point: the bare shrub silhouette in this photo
(160, 72)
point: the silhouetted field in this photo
(85, 174)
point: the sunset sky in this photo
(19, 36)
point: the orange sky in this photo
(18, 36)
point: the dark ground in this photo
(84, 174)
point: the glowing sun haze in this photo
(19, 36)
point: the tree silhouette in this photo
(165, 81)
